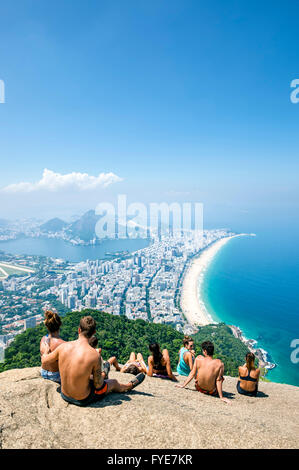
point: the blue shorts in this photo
(54, 376)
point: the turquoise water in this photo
(253, 283)
(60, 249)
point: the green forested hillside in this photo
(118, 336)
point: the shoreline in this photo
(192, 304)
(260, 353)
(194, 308)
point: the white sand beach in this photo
(191, 302)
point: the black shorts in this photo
(245, 392)
(94, 396)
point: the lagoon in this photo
(52, 247)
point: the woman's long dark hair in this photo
(156, 352)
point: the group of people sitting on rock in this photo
(209, 373)
(83, 374)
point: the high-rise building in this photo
(91, 301)
(63, 296)
(71, 302)
(29, 323)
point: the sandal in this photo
(106, 369)
(138, 380)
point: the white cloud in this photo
(52, 181)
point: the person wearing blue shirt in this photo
(186, 358)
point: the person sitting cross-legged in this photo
(78, 361)
(208, 373)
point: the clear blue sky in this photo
(182, 99)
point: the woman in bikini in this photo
(248, 377)
(134, 365)
(52, 340)
(159, 363)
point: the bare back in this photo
(249, 385)
(208, 371)
(53, 344)
(77, 362)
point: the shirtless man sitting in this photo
(209, 373)
(80, 369)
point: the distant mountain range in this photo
(54, 225)
(83, 228)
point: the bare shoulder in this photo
(199, 359)
(63, 346)
(44, 339)
(66, 344)
(93, 355)
(67, 347)
(218, 362)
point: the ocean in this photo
(253, 283)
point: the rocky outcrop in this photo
(155, 415)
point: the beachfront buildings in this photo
(142, 285)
